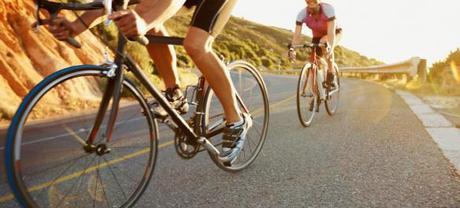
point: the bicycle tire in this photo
(332, 101)
(306, 98)
(251, 88)
(54, 170)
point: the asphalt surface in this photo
(373, 153)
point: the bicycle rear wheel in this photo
(332, 101)
(46, 162)
(253, 99)
(306, 98)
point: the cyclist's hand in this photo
(61, 28)
(129, 23)
(291, 55)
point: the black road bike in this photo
(87, 136)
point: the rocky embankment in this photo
(27, 56)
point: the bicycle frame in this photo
(115, 72)
(314, 66)
(114, 91)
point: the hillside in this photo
(26, 57)
(444, 76)
(263, 45)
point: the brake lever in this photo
(70, 40)
(53, 14)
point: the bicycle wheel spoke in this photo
(116, 179)
(249, 143)
(102, 186)
(95, 188)
(47, 169)
(131, 162)
(70, 189)
(50, 160)
(58, 178)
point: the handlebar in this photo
(55, 7)
(308, 45)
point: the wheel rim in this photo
(251, 90)
(333, 102)
(51, 167)
(306, 99)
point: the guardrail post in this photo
(422, 70)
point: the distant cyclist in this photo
(208, 20)
(320, 18)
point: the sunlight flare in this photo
(455, 72)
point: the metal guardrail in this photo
(412, 67)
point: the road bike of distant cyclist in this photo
(87, 135)
(311, 87)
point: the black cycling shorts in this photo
(211, 15)
(316, 40)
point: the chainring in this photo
(185, 148)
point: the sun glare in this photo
(455, 72)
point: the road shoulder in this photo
(443, 132)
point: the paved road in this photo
(373, 153)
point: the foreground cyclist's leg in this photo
(252, 99)
(198, 44)
(208, 20)
(164, 57)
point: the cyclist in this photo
(208, 20)
(320, 18)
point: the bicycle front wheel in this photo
(252, 98)
(46, 159)
(332, 101)
(306, 97)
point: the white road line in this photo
(70, 133)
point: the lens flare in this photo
(455, 71)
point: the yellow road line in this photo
(9, 197)
(258, 111)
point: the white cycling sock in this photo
(235, 124)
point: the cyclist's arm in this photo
(155, 13)
(296, 37)
(329, 11)
(87, 19)
(331, 27)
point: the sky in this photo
(388, 30)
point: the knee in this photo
(194, 48)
